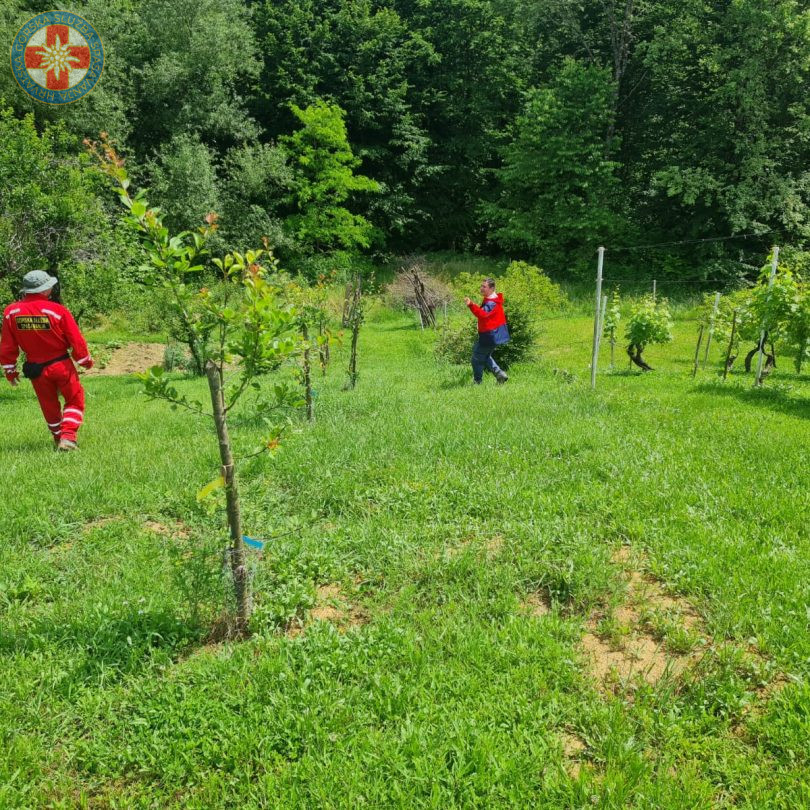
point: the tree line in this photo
(537, 130)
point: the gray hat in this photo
(38, 281)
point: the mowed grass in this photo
(436, 508)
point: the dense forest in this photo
(533, 130)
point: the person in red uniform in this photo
(45, 331)
(492, 332)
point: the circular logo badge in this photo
(57, 57)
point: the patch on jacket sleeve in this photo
(28, 323)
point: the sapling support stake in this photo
(711, 327)
(594, 354)
(761, 353)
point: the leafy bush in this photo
(52, 217)
(522, 282)
(528, 295)
(456, 339)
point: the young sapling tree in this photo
(249, 329)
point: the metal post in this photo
(760, 354)
(711, 327)
(601, 323)
(654, 286)
(599, 266)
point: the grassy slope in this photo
(451, 696)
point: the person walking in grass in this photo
(46, 332)
(492, 332)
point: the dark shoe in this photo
(501, 377)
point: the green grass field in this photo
(441, 552)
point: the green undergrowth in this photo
(436, 509)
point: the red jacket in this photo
(43, 329)
(490, 314)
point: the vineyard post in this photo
(594, 354)
(761, 352)
(601, 323)
(711, 327)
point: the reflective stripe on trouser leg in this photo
(48, 397)
(63, 377)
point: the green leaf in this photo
(208, 489)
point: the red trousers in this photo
(61, 378)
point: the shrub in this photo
(456, 338)
(528, 295)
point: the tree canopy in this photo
(493, 125)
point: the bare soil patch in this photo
(131, 358)
(629, 643)
(573, 750)
(175, 529)
(537, 604)
(491, 546)
(333, 606)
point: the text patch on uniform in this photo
(32, 322)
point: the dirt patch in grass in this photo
(99, 523)
(333, 606)
(573, 750)
(175, 529)
(491, 546)
(130, 358)
(650, 635)
(537, 604)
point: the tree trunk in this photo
(237, 551)
(697, 351)
(634, 353)
(323, 347)
(307, 374)
(355, 318)
(353, 356)
(621, 35)
(347, 305)
(770, 358)
(729, 359)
